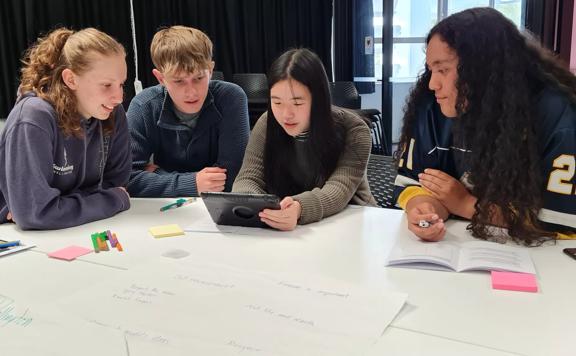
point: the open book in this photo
(14, 249)
(462, 256)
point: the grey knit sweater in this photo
(348, 183)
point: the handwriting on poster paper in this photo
(242, 348)
(141, 294)
(322, 292)
(282, 316)
(205, 283)
(11, 314)
(145, 335)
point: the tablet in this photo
(238, 209)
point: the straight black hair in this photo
(326, 137)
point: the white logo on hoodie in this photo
(64, 169)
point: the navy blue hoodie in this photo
(52, 181)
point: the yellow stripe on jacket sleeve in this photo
(409, 193)
(560, 236)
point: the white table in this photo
(447, 313)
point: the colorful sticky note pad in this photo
(524, 282)
(166, 230)
(69, 253)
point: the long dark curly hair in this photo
(500, 73)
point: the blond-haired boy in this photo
(195, 128)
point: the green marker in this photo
(180, 202)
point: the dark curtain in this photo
(540, 20)
(23, 21)
(13, 41)
(354, 43)
(566, 12)
(551, 23)
(247, 34)
(387, 49)
(343, 42)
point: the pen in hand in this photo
(424, 223)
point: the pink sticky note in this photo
(524, 282)
(69, 253)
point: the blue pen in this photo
(6, 244)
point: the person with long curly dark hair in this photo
(489, 134)
(303, 149)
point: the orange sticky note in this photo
(524, 282)
(69, 253)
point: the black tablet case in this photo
(238, 209)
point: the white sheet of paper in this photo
(234, 310)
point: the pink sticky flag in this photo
(69, 253)
(524, 282)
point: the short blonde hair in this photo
(181, 49)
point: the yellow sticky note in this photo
(166, 230)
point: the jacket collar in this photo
(169, 120)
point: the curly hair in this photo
(50, 55)
(500, 73)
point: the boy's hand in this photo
(211, 179)
(151, 167)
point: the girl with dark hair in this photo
(303, 149)
(489, 134)
(65, 150)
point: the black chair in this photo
(255, 85)
(381, 176)
(217, 75)
(379, 142)
(345, 95)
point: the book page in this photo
(485, 255)
(420, 254)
